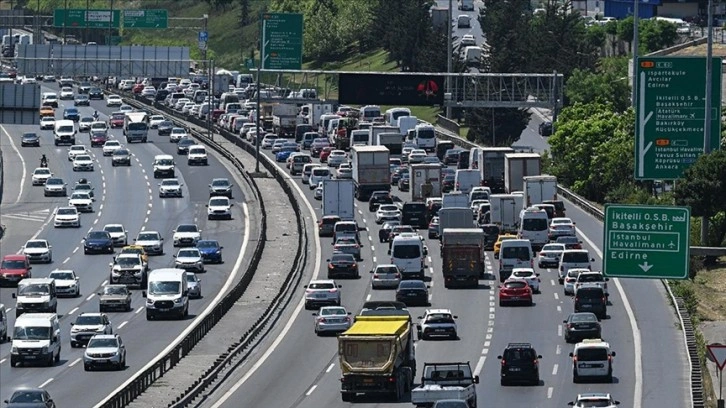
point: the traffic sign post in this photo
(717, 354)
(145, 18)
(646, 241)
(670, 112)
(82, 18)
(282, 40)
(202, 39)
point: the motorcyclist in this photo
(43, 161)
(95, 115)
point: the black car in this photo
(545, 128)
(591, 297)
(30, 139)
(404, 183)
(183, 146)
(98, 242)
(384, 234)
(95, 93)
(491, 233)
(164, 128)
(121, 157)
(413, 292)
(579, 326)
(30, 398)
(463, 162)
(161, 94)
(414, 214)
(442, 147)
(398, 173)
(520, 363)
(342, 265)
(570, 242)
(81, 100)
(378, 198)
(448, 183)
(451, 156)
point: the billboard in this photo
(391, 89)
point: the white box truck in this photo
(338, 198)
(455, 199)
(538, 189)
(425, 177)
(520, 165)
(406, 123)
(504, 211)
(466, 179)
(490, 162)
(454, 217)
(371, 170)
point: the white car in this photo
(151, 241)
(268, 141)
(529, 275)
(189, 259)
(594, 399)
(186, 235)
(118, 234)
(47, 122)
(67, 283)
(110, 146)
(126, 108)
(561, 227)
(83, 162)
(277, 145)
(99, 126)
(318, 193)
(177, 134)
(336, 158)
(170, 187)
(66, 93)
(322, 292)
(55, 186)
(40, 175)
(219, 207)
(437, 323)
(332, 319)
(114, 100)
(592, 277)
(154, 121)
(67, 217)
(82, 201)
(148, 91)
(38, 250)
(571, 279)
(549, 255)
(86, 325)
(387, 212)
(76, 150)
(467, 40)
(197, 154)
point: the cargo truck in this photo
(504, 211)
(338, 198)
(375, 130)
(517, 166)
(425, 181)
(490, 162)
(406, 123)
(463, 255)
(284, 119)
(341, 136)
(538, 189)
(393, 141)
(445, 381)
(454, 217)
(377, 357)
(371, 170)
(455, 199)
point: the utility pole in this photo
(707, 125)
(88, 5)
(210, 100)
(635, 51)
(110, 24)
(450, 52)
(204, 50)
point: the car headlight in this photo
(44, 349)
(14, 350)
(178, 300)
(149, 301)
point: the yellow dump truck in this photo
(377, 356)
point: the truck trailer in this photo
(490, 162)
(504, 211)
(463, 255)
(371, 170)
(517, 166)
(538, 189)
(425, 181)
(338, 198)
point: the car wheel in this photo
(74, 344)
(502, 382)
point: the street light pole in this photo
(709, 100)
(204, 51)
(449, 51)
(110, 24)
(635, 51)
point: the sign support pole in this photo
(709, 100)
(635, 50)
(259, 72)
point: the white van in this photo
(307, 171)
(64, 132)
(319, 174)
(592, 358)
(534, 226)
(163, 166)
(408, 253)
(391, 116)
(36, 338)
(36, 295)
(514, 253)
(370, 112)
(465, 180)
(325, 121)
(299, 161)
(167, 293)
(573, 258)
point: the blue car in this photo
(211, 250)
(71, 114)
(98, 242)
(282, 155)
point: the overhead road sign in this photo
(646, 241)
(282, 40)
(82, 18)
(670, 114)
(391, 89)
(146, 18)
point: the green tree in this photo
(656, 35)
(321, 34)
(244, 12)
(607, 84)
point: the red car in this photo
(325, 153)
(137, 88)
(14, 268)
(515, 291)
(116, 119)
(98, 138)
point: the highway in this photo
(300, 369)
(127, 195)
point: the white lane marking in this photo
(484, 351)
(212, 304)
(550, 391)
(429, 259)
(66, 260)
(76, 361)
(75, 249)
(554, 369)
(364, 221)
(491, 310)
(310, 391)
(487, 343)
(480, 365)
(90, 296)
(559, 308)
(104, 282)
(74, 310)
(557, 296)
(148, 212)
(3, 360)
(637, 346)
(122, 325)
(330, 367)
(559, 330)
(368, 297)
(100, 207)
(22, 164)
(46, 382)
(552, 282)
(374, 259)
(139, 310)
(558, 350)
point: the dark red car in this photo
(137, 88)
(116, 119)
(98, 138)
(515, 291)
(325, 153)
(14, 268)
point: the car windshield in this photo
(31, 333)
(440, 318)
(346, 241)
(191, 277)
(13, 265)
(515, 285)
(220, 183)
(148, 237)
(412, 285)
(102, 343)
(323, 285)
(590, 293)
(522, 274)
(42, 171)
(61, 275)
(534, 224)
(583, 318)
(36, 244)
(333, 311)
(80, 196)
(67, 211)
(169, 183)
(188, 253)
(128, 261)
(388, 208)
(164, 288)
(112, 143)
(89, 321)
(406, 251)
(343, 257)
(553, 248)
(121, 152)
(592, 354)
(114, 228)
(187, 228)
(590, 277)
(207, 244)
(83, 157)
(518, 252)
(386, 269)
(218, 202)
(34, 289)
(115, 290)
(576, 257)
(98, 235)
(594, 403)
(117, 116)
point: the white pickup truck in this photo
(445, 381)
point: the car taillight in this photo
(392, 379)
(332, 290)
(376, 276)
(568, 326)
(576, 299)
(322, 320)
(504, 362)
(541, 254)
(604, 299)
(354, 266)
(398, 276)
(308, 291)
(330, 265)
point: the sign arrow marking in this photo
(645, 266)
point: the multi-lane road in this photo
(127, 195)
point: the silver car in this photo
(194, 284)
(347, 245)
(151, 241)
(105, 350)
(87, 325)
(332, 319)
(385, 276)
(322, 292)
(549, 256)
(189, 259)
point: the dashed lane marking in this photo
(139, 310)
(550, 391)
(90, 296)
(48, 381)
(554, 369)
(122, 325)
(310, 391)
(330, 367)
(76, 361)
(74, 310)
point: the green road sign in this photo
(145, 18)
(282, 40)
(82, 18)
(670, 114)
(646, 241)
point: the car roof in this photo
(322, 281)
(438, 311)
(592, 343)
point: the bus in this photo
(136, 127)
